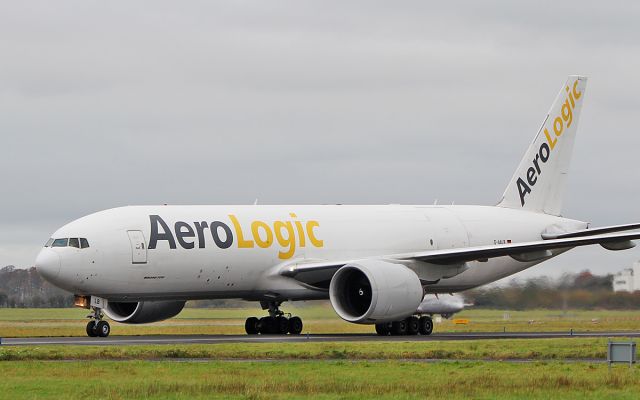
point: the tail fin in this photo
(539, 182)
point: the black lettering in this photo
(535, 162)
(544, 156)
(181, 235)
(531, 176)
(200, 227)
(228, 240)
(165, 235)
(523, 189)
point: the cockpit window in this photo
(78, 243)
(60, 243)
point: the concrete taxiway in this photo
(216, 339)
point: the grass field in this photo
(318, 380)
(496, 350)
(483, 369)
(318, 318)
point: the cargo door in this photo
(138, 247)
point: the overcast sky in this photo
(199, 102)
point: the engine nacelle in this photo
(375, 291)
(143, 312)
(443, 305)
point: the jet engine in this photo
(375, 291)
(143, 312)
(444, 305)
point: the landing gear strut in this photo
(410, 326)
(96, 327)
(276, 323)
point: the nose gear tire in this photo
(91, 329)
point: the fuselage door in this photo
(138, 247)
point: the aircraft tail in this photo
(540, 180)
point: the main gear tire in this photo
(295, 325)
(413, 325)
(251, 326)
(425, 325)
(383, 329)
(399, 328)
(282, 325)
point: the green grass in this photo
(318, 318)
(328, 370)
(318, 380)
(505, 349)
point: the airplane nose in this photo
(48, 264)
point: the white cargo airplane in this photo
(140, 264)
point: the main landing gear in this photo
(276, 323)
(96, 327)
(411, 326)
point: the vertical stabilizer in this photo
(540, 180)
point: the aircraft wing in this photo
(519, 251)
(592, 231)
(319, 273)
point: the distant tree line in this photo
(25, 288)
(581, 291)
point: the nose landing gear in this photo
(275, 324)
(97, 327)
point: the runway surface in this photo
(217, 339)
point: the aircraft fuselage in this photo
(196, 252)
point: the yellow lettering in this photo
(576, 94)
(558, 126)
(567, 113)
(552, 143)
(302, 238)
(242, 243)
(312, 235)
(255, 226)
(573, 103)
(289, 241)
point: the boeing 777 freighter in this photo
(140, 264)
